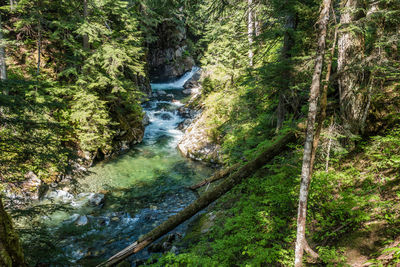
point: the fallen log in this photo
(217, 176)
(203, 201)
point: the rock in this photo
(60, 195)
(146, 120)
(82, 220)
(30, 188)
(174, 250)
(166, 246)
(179, 52)
(171, 96)
(72, 218)
(161, 93)
(96, 199)
(124, 145)
(166, 116)
(115, 219)
(185, 124)
(187, 91)
(197, 144)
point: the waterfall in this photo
(177, 84)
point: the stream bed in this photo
(120, 199)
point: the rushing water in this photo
(142, 188)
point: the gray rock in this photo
(82, 220)
(146, 120)
(196, 143)
(60, 195)
(161, 93)
(171, 96)
(96, 199)
(187, 91)
(174, 250)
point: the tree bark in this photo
(10, 249)
(85, 15)
(250, 30)
(308, 146)
(3, 67)
(217, 176)
(350, 52)
(286, 55)
(39, 44)
(323, 104)
(203, 201)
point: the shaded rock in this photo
(161, 93)
(166, 116)
(174, 250)
(96, 199)
(155, 247)
(146, 120)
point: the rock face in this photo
(196, 143)
(168, 57)
(29, 190)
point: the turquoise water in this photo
(141, 189)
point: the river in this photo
(141, 188)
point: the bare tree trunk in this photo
(10, 249)
(39, 44)
(323, 104)
(308, 146)
(3, 67)
(288, 43)
(250, 30)
(328, 152)
(85, 15)
(350, 45)
(203, 201)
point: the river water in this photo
(141, 189)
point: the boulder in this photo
(146, 120)
(96, 199)
(60, 195)
(82, 220)
(197, 144)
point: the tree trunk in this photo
(203, 201)
(39, 44)
(323, 104)
(286, 55)
(10, 249)
(85, 15)
(3, 67)
(250, 30)
(350, 52)
(308, 146)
